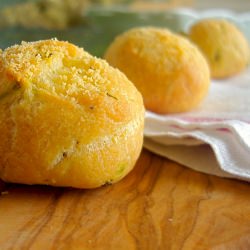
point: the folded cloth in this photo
(214, 138)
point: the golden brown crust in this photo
(66, 118)
(167, 69)
(223, 44)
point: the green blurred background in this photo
(92, 26)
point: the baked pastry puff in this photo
(66, 117)
(223, 44)
(170, 72)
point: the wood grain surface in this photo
(160, 205)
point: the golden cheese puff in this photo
(66, 117)
(223, 44)
(167, 69)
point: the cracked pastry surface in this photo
(66, 117)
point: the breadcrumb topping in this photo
(64, 70)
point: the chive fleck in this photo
(108, 94)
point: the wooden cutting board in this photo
(160, 205)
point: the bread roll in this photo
(167, 69)
(223, 44)
(66, 117)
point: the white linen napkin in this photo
(214, 138)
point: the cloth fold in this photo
(214, 138)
